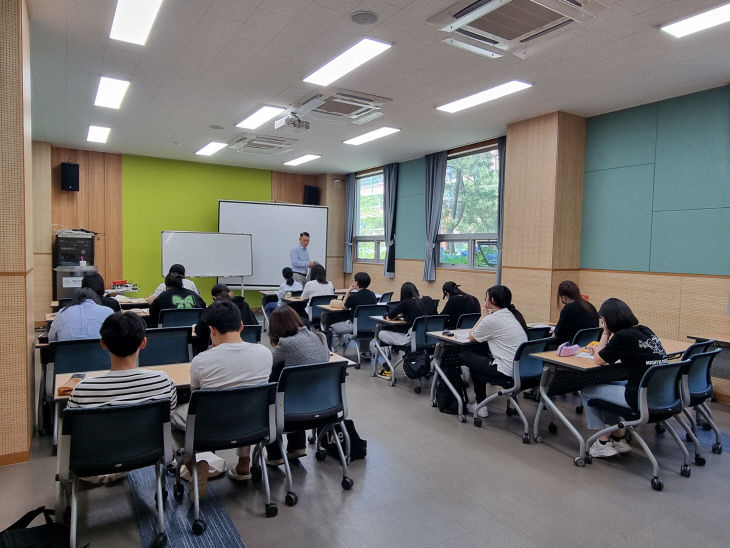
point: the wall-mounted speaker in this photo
(311, 195)
(69, 176)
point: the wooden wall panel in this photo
(97, 206)
(530, 291)
(557, 277)
(704, 305)
(289, 187)
(42, 233)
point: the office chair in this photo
(251, 333)
(364, 327)
(467, 321)
(385, 297)
(179, 317)
(166, 345)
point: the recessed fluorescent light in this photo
(699, 22)
(110, 92)
(302, 159)
(262, 115)
(98, 134)
(133, 20)
(371, 136)
(349, 60)
(483, 96)
(211, 148)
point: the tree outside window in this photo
(370, 221)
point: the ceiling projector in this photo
(291, 122)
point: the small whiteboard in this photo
(207, 254)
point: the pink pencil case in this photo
(567, 349)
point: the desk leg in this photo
(56, 420)
(548, 372)
(439, 372)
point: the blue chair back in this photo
(663, 395)
(697, 348)
(698, 373)
(79, 356)
(316, 314)
(585, 336)
(251, 333)
(527, 366)
(117, 438)
(467, 321)
(179, 317)
(309, 395)
(230, 417)
(421, 326)
(537, 333)
(166, 345)
(385, 297)
(364, 325)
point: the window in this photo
(369, 221)
(470, 212)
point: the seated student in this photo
(123, 335)
(81, 319)
(318, 285)
(187, 284)
(637, 348)
(287, 286)
(176, 296)
(577, 313)
(95, 282)
(229, 362)
(356, 295)
(458, 303)
(504, 329)
(293, 344)
(222, 292)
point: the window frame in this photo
(378, 239)
(491, 238)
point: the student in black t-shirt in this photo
(638, 348)
(95, 282)
(357, 294)
(175, 296)
(577, 313)
(222, 292)
(458, 303)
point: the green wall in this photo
(161, 194)
(410, 215)
(656, 194)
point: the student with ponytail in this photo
(287, 286)
(577, 313)
(504, 329)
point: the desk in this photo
(327, 310)
(722, 338)
(551, 361)
(141, 312)
(459, 338)
(124, 302)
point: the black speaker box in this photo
(69, 176)
(311, 195)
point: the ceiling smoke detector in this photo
(364, 17)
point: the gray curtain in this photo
(390, 193)
(501, 149)
(350, 199)
(435, 182)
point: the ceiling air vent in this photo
(262, 144)
(496, 27)
(342, 105)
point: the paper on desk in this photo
(462, 336)
(587, 355)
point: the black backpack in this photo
(358, 446)
(445, 399)
(416, 364)
(48, 535)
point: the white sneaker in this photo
(483, 412)
(622, 446)
(599, 449)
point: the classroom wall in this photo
(410, 216)
(160, 194)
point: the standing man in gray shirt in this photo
(299, 257)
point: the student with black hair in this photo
(81, 319)
(287, 286)
(357, 294)
(229, 362)
(637, 348)
(95, 282)
(175, 296)
(222, 292)
(458, 303)
(504, 329)
(318, 285)
(577, 313)
(187, 284)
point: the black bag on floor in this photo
(445, 399)
(358, 446)
(416, 364)
(48, 535)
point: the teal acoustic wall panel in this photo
(692, 159)
(410, 217)
(618, 139)
(695, 241)
(617, 218)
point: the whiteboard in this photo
(207, 254)
(275, 231)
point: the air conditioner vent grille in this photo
(262, 144)
(516, 19)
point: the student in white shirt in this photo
(504, 329)
(287, 286)
(318, 285)
(81, 319)
(187, 284)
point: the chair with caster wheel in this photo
(108, 440)
(696, 390)
(659, 398)
(223, 419)
(312, 397)
(363, 327)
